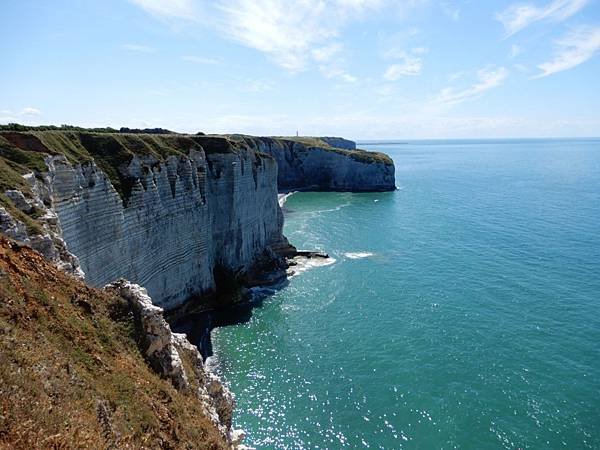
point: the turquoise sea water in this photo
(462, 310)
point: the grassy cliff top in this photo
(311, 142)
(72, 375)
(24, 151)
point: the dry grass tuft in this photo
(71, 374)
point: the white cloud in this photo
(332, 72)
(26, 114)
(410, 66)
(518, 16)
(199, 59)
(290, 32)
(331, 62)
(257, 86)
(393, 46)
(486, 79)
(521, 68)
(575, 48)
(327, 53)
(137, 48)
(29, 111)
(409, 62)
(178, 9)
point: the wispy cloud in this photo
(289, 31)
(332, 72)
(450, 10)
(292, 33)
(407, 62)
(327, 52)
(174, 9)
(411, 65)
(200, 59)
(486, 79)
(138, 48)
(7, 115)
(331, 62)
(519, 16)
(29, 111)
(575, 48)
(257, 86)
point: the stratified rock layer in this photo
(183, 218)
(169, 211)
(318, 168)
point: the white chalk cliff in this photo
(183, 217)
(165, 211)
(317, 168)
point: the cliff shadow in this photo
(235, 309)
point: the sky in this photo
(363, 69)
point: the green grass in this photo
(24, 151)
(358, 154)
(309, 141)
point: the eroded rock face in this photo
(13, 228)
(49, 241)
(159, 347)
(166, 351)
(302, 167)
(183, 218)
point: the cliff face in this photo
(339, 142)
(167, 211)
(181, 217)
(313, 164)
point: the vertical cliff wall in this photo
(183, 217)
(313, 164)
(176, 217)
(166, 211)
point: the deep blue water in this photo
(462, 310)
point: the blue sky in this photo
(358, 68)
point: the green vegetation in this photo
(24, 148)
(358, 154)
(317, 143)
(72, 374)
(19, 127)
(24, 151)
(306, 140)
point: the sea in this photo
(460, 311)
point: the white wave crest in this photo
(358, 255)
(303, 264)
